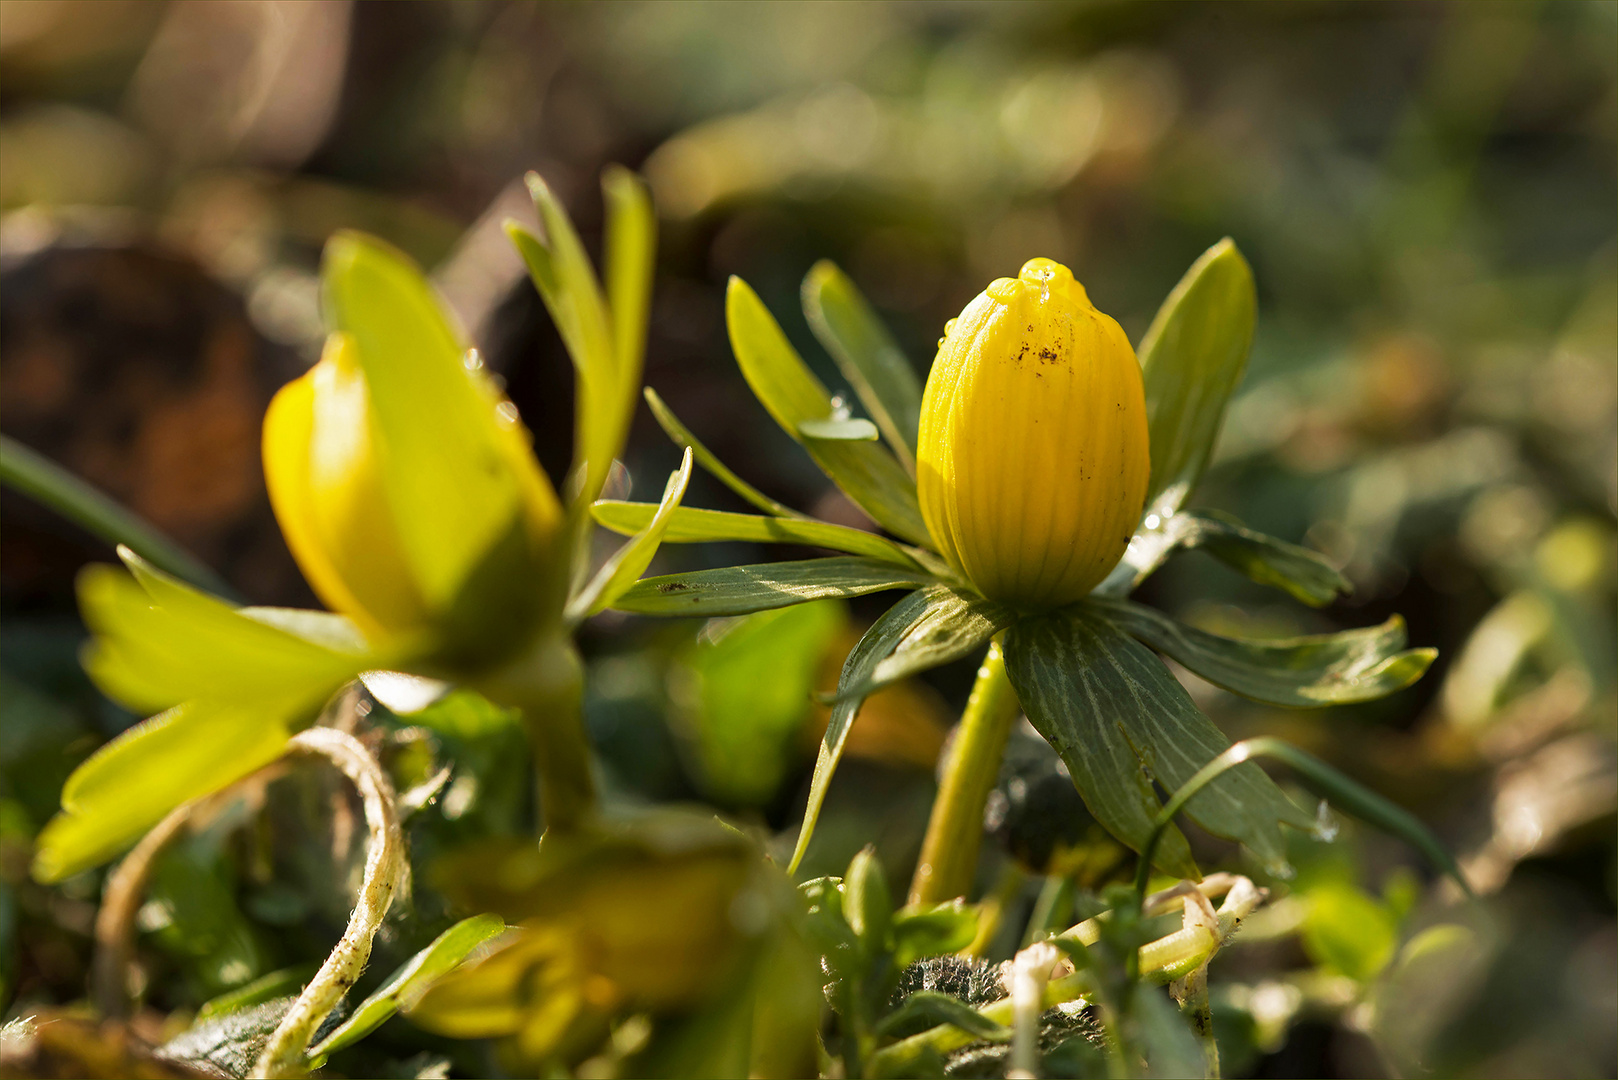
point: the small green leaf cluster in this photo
(866, 947)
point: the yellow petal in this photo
(321, 464)
(1033, 454)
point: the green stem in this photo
(47, 483)
(949, 852)
(548, 686)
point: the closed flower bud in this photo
(403, 482)
(1032, 457)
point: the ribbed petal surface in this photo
(1033, 454)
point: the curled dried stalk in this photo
(115, 921)
(286, 1052)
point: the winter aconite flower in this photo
(406, 489)
(401, 479)
(1031, 462)
(1039, 475)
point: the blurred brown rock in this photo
(137, 371)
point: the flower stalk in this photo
(547, 686)
(949, 850)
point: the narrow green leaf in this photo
(956, 625)
(866, 354)
(630, 561)
(128, 785)
(694, 526)
(276, 984)
(879, 641)
(406, 985)
(1192, 357)
(839, 430)
(41, 479)
(1305, 574)
(449, 481)
(683, 438)
(630, 258)
(1110, 689)
(1264, 559)
(1320, 778)
(933, 1008)
(561, 272)
(740, 590)
(159, 642)
(1303, 672)
(868, 473)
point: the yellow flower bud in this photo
(325, 464)
(1032, 456)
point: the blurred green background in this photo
(1427, 193)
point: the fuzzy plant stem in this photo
(286, 1052)
(949, 851)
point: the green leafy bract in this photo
(867, 472)
(449, 508)
(1304, 574)
(1303, 672)
(561, 272)
(630, 561)
(159, 642)
(128, 785)
(739, 590)
(1119, 720)
(957, 624)
(879, 642)
(690, 525)
(683, 438)
(1192, 357)
(835, 430)
(867, 356)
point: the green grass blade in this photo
(41, 479)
